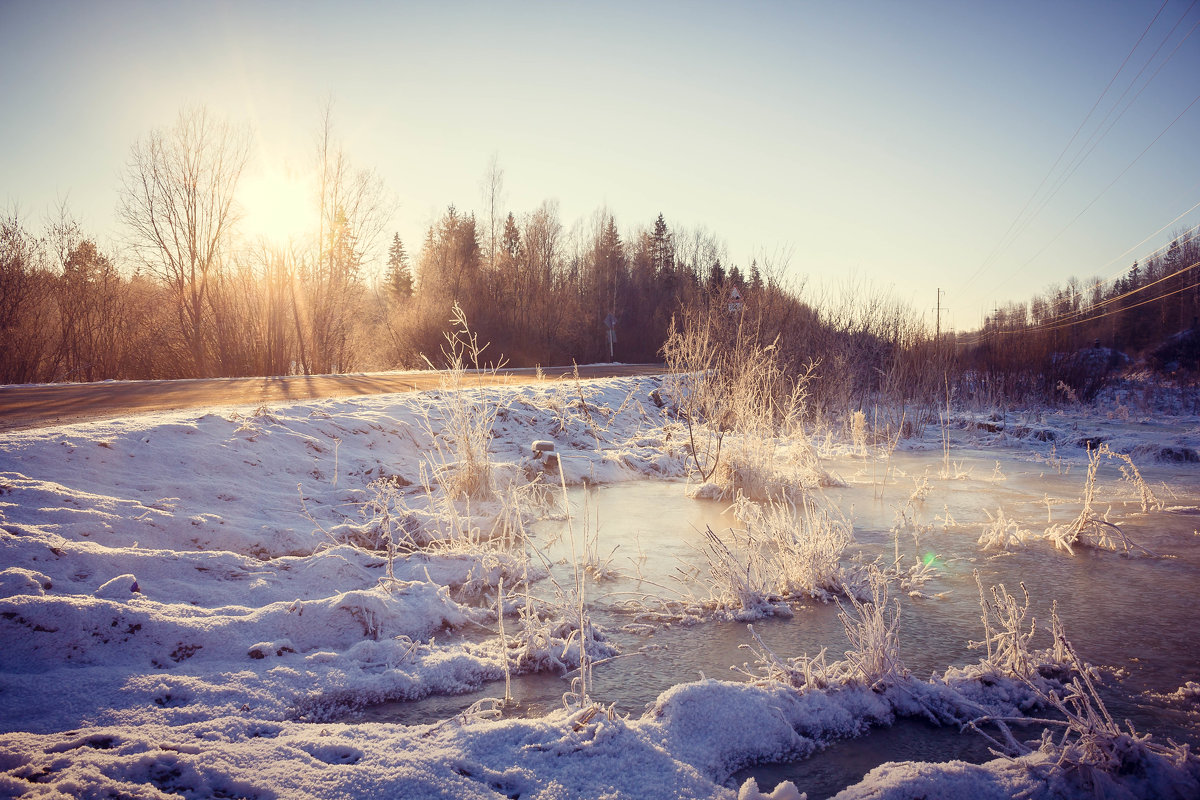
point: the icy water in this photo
(1136, 617)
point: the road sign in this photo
(735, 301)
(610, 321)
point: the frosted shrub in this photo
(741, 580)
(785, 552)
(740, 409)
(1090, 528)
(1091, 754)
(460, 463)
(1007, 630)
(396, 530)
(1001, 533)
(805, 544)
(873, 629)
(695, 359)
(763, 466)
(546, 637)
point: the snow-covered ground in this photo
(190, 602)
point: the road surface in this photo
(40, 405)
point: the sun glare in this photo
(276, 205)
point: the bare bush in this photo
(742, 410)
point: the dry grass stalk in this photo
(460, 462)
(873, 629)
(801, 673)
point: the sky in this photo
(856, 146)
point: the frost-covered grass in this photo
(872, 629)
(1093, 529)
(1090, 528)
(460, 460)
(784, 551)
(1084, 751)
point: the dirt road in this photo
(40, 405)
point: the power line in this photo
(1151, 236)
(1077, 319)
(1103, 191)
(1185, 235)
(1101, 131)
(1004, 240)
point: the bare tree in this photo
(177, 200)
(492, 187)
(26, 305)
(352, 214)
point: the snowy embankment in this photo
(187, 602)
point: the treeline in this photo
(1072, 337)
(542, 293)
(187, 295)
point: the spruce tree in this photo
(662, 248)
(716, 275)
(736, 279)
(399, 278)
(511, 243)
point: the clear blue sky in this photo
(891, 144)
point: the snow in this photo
(189, 602)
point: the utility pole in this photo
(938, 327)
(937, 336)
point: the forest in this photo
(186, 294)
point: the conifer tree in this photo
(510, 247)
(716, 275)
(736, 279)
(399, 279)
(662, 248)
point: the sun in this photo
(276, 204)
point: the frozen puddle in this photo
(1133, 617)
